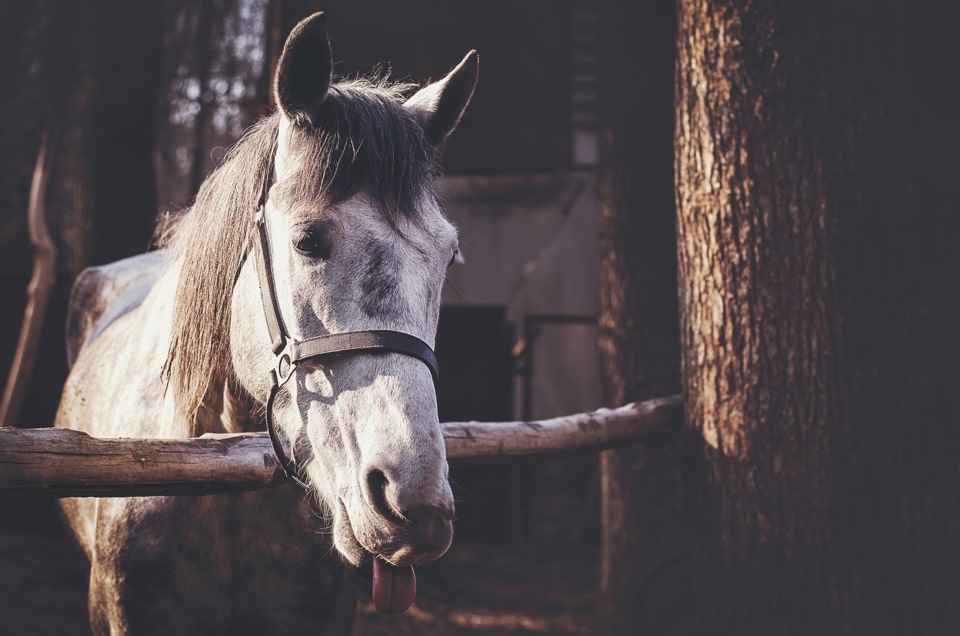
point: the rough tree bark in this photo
(639, 340)
(818, 229)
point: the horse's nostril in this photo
(412, 528)
(378, 485)
(377, 482)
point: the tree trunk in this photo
(639, 339)
(207, 46)
(816, 150)
(23, 117)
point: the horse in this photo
(323, 224)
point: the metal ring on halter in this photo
(284, 359)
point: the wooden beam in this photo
(65, 463)
(604, 428)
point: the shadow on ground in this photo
(475, 589)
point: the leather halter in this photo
(290, 353)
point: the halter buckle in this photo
(284, 368)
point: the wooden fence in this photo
(64, 463)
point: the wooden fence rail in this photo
(64, 463)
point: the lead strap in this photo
(289, 468)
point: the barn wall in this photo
(529, 246)
(529, 242)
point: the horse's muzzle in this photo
(425, 537)
(406, 535)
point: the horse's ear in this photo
(305, 71)
(440, 105)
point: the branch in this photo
(39, 288)
(65, 463)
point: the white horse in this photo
(178, 343)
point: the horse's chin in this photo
(347, 544)
(394, 588)
(351, 550)
(358, 558)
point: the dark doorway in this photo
(476, 383)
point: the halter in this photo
(290, 353)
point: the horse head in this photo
(357, 241)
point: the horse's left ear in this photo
(440, 105)
(305, 71)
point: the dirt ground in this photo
(476, 589)
(479, 589)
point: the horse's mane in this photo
(364, 141)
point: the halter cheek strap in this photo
(290, 353)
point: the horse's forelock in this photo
(365, 141)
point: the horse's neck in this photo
(227, 407)
(237, 413)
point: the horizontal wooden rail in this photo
(64, 463)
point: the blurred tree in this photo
(639, 339)
(818, 224)
(206, 46)
(214, 83)
(18, 142)
(89, 71)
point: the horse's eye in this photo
(309, 242)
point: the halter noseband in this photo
(290, 353)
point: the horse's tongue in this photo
(393, 588)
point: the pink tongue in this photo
(393, 588)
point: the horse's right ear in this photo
(440, 105)
(305, 71)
